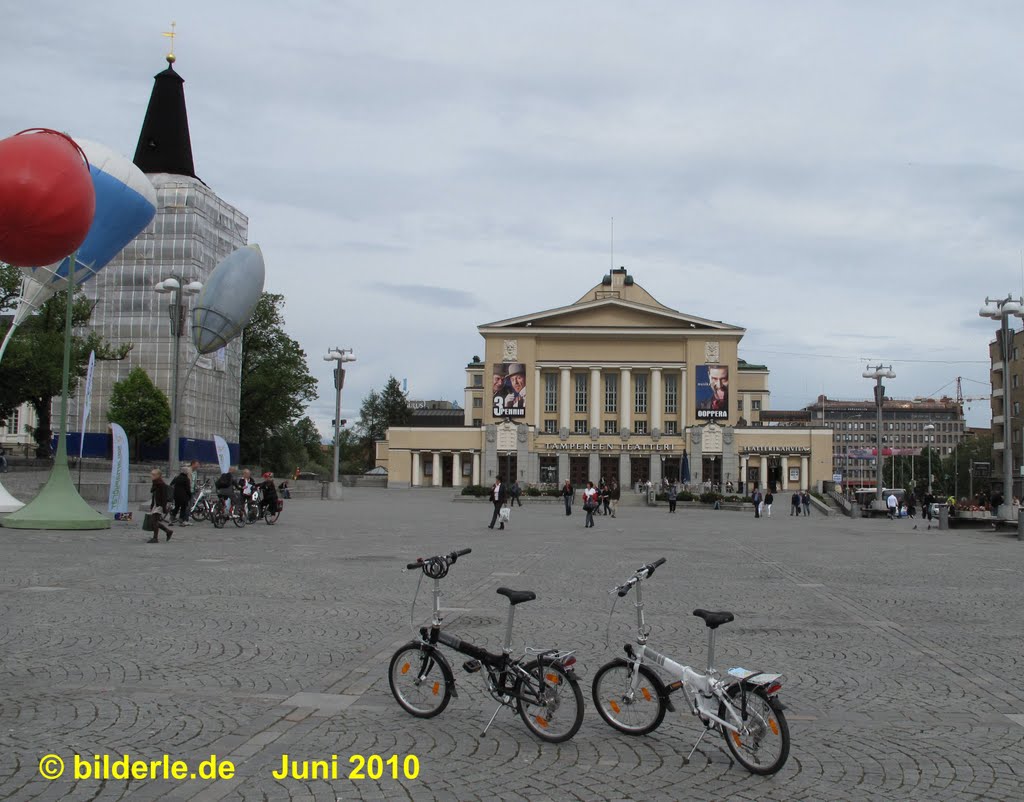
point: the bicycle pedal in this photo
(471, 666)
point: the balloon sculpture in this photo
(228, 299)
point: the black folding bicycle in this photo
(541, 685)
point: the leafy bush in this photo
(532, 491)
(476, 490)
(710, 497)
(686, 495)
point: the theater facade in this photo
(614, 385)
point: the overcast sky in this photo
(844, 180)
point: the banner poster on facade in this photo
(712, 391)
(508, 390)
(118, 501)
(87, 406)
(223, 453)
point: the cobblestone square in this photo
(901, 647)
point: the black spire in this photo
(164, 144)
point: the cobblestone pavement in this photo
(902, 650)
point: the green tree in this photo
(956, 468)
(141, 408)
(294, 445)
(33, 365)
(378, 413)
(10, 286)
(276, 382)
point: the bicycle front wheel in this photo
(634, 712)
(239, 514)
(421, 680)
(550, 702)
(271, 515)
(219, 517)
(201, 512)
(763, 746)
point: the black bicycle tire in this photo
(574, 685)
(651, 676)
(783, 733)
(446, 675)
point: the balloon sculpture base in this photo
(9, 503)
(58, 506)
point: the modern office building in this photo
(616, 384)
(853, 427)
(192, 232)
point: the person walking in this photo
(514, 492)
(911, 506)
(805, 500)
(159, 495)
(755, 497)
(673, 494)
(794, 505)
(769, 499)
(606, 498)
(614, 494)
(589, 503)
(498, 500)
(893, 506)
(181, 487)
(567, 494)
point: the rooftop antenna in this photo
(611, 265)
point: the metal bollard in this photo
(943, 516)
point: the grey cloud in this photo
(429, 295)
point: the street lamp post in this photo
(341, 356)
(879, 372)
(928, 442)
(176, 286)
(1002, 310)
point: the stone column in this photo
(596, 402)
(784, 462)
(476, 467)
(743, 475)
(563, 468)
(416, 469)
(625, 399)
(437, 477)
(804, 479)
(683, 397)
(655, 470)
(764, 473)
(538, 398)
(457, 469)
(625, 473)
(564, 399)
(657, 402)
(696, 455)
(523, 466)
(730, 458)
(594, 467)
(490, 462)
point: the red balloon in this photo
(47, 200)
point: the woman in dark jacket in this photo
(159, 496)
(567, 493)
(181, 487)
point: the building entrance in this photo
(508, 465)
(579, 467)
(670, 469)
(774, 473)
(639, 470)
(609, 468)
(446, 470)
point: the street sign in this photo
(339, 378)
(837, 478)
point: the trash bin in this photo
(943, 516)
(652, 499)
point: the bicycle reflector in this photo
(569, 662)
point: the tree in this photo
(276, 383)
(956, 468)
(294, 444)
(33, 365)
(141, 408)
(379, 412)
(10, 286)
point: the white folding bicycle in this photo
(742, 705)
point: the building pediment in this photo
(610, 313)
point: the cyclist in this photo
(224, 485)
(268, 493)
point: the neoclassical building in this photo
(614, 385)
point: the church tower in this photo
(192, 232)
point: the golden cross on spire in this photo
(170, 35)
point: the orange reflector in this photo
(736, 738)
(554, 679)
(774, 725)
(542, 721)
(437, 687)
(614, 705)
(646, 693)
(405, 668)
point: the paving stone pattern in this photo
(902, 650)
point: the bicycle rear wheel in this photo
(201, 512)
(271, 516)
(764, 748)
(550, 703)
(634, 712)
(239, 514)
(421, 679)
(219, 516)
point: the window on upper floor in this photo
(550, 426)
(580, 426)
(581, 392)
(478, 403)
(478, 380)
(670, 427)
(551, 392)
(671, 395)
(640, 427)
(756, 405)
(611, 392)
(640, 393)
(611, 426)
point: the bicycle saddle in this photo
(517, 596)
(714, 620)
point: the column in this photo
(437, 470)
(784, 461)
(596, 402)
(563, 467)
(764, 473)
(655, 470)
(457, 469)
(683, 397)
(538, 398)
(594, 467)
(625, 472)
(743, 475)
(657, 402)
(476, 467)
(416, 469)
(625, 399)
(804, 478)
(564, 399)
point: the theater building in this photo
(614, 385)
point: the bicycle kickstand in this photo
(686, 760)
(489, 723)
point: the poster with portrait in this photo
(712, 387)
(508, 390)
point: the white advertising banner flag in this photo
(118, 501)
(223, 453)
(87, 405)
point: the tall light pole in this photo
(1002, 310)
(341, 356)
(930, 427)
(176, 286)
(879, 372)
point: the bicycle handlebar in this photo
(444, 559)
(643, 572)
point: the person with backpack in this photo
(224, 486)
